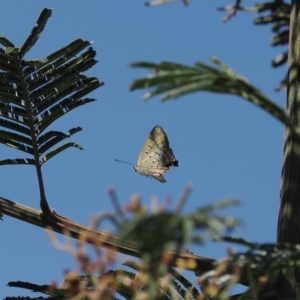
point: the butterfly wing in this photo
(156, 156)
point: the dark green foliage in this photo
(172, 80)
(28, 286)
(35, 93)
(124, 283)
(258, 267)
(55, 294)
(266, 259)
(278, 14)
(30, 298)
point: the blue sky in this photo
(226, 146)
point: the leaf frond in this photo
(52, 138)
(172, 80)
(6, 140)
(8, 63)
(10, 136)
(14, 126)
(17, 161)
(56, 151)
(36, 31)
(35, 93)
(57, 111)
(6, 42)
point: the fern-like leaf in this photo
(35, 93)
(17, 161)
(58, 150)
(172, 80)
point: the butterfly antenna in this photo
(124, 162)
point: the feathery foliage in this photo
(276, 13)
(33, 94)
(172, 80)
(36, 93)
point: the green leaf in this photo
(10, 136)
(36, 31)
(35, 93)
(172, 80)
(58, 111)
(8, 63)
(58, 150)
(16, 145)
(14, 126)
(17, 161)
(6, 42)
(52, 138)
(58, 294)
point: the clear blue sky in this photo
(226, 146)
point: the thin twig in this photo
(114, 199)
(233, 8)
(183, 198)
(104, 216)
(158, 2)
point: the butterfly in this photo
(156, 156)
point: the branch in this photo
(159, 2)
(233, 8)
(63, 225)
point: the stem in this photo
(43, 201)
(63, 225)
(288, 221)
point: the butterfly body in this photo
(156, 156)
